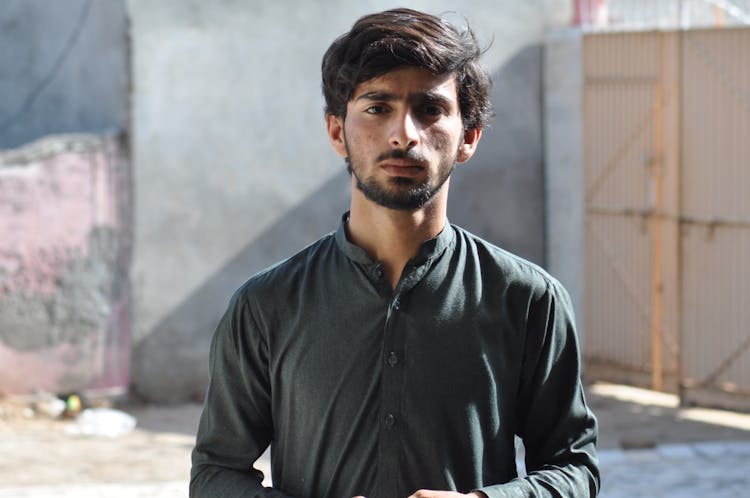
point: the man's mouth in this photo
(400, 167)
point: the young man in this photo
(399, 354)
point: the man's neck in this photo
(393, 237)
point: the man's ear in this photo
(469, 146)
(335, 128)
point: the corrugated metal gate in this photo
(667, 165)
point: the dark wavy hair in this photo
(379, 43)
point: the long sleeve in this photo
(558, 430)
(235, 426)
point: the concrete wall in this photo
(564, 180)
(63, 68)
(234, 171)
(64, 258)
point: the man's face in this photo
(402, 136)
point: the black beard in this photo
(411, 198)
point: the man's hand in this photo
(429, 493)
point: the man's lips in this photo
(402, 168)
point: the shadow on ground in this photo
(631, 418)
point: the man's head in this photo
(406, 99)
(382, 42)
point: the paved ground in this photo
(649, 447)
(697, 470)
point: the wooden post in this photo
(656, 201)
(719, 16)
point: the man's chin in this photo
(398, 193)
(406, 182)
(411, 202)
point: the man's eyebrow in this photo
(426, 97)
(433, 98)
(380, 96)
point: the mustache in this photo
(410, 155)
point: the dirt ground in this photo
(40, 451)
(36, 450)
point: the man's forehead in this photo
(405, 83)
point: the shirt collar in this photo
(428, 251)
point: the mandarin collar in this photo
(429, 250)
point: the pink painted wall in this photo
(590, 12)
(65, 237)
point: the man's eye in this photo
(375, 109)
(432, 110)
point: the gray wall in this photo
(63, 68)
(500, 193)
(564, 175)
(233, 169)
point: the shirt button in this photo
(389, 420)
(378, 272)
(396, 305)
(392, 359)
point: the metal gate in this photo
(667, 168)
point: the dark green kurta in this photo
(363, 390)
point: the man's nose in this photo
(404, 131)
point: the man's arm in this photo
(557, 428)
(235, 426)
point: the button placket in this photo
(389, 441)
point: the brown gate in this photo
(715, 245)
(667, 168)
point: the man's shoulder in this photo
(282, 275)
(514, 269)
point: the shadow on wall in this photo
(171, 364)
(499, 196)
